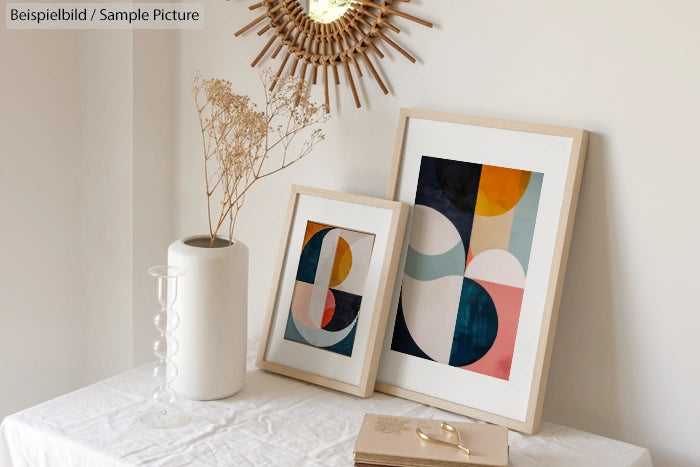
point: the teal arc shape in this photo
(424, 267)
(310, 254)
(342, 347)
(476, 326)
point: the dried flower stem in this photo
(239, 139)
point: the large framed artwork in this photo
(483, 262)
(333, 288)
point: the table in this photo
(274, 420)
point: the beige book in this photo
(387, 440)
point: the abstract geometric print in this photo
(467, 260)
(328, 289)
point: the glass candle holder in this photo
(165, 414)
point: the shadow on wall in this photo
(583, 387)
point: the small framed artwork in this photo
(483, 263)
(333, 289)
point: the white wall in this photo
(624, 362)
(107, 212)
(40, 325)
(65, 188)
(153, 175)
(85, 205)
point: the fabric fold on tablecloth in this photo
(274, 420)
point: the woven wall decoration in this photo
(345, 43)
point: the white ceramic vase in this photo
(212, 301)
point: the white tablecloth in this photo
(274, 420)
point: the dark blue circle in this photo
(476, 327)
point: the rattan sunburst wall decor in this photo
(329, 41)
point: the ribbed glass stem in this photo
(166, 320)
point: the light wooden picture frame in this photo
(482, 268)
(333, 288)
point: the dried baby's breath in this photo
(238, 139)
